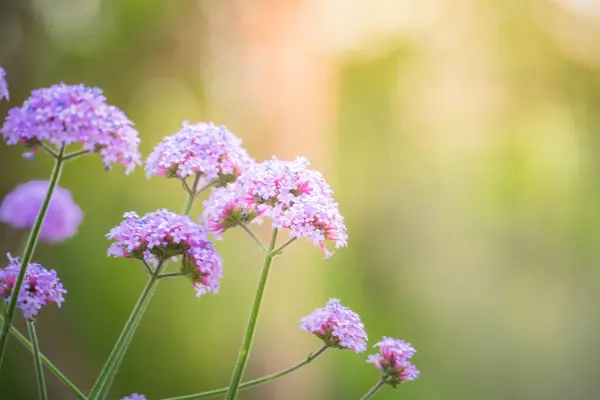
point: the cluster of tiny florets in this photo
(64, 115)
(135, 396)
(293, 196)
(40, 286)
(20, 208)
(337, 326)
(392, 360)
(160, 235)
(211, 151)
(3, 85)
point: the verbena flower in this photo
(160, 235)
(64, 115)
(135, 396)
(3, 85)
(40, 286)
(293, 196)
(20, 207)
(224, 209)
(337, 326)
(392, 360)
(203, 148)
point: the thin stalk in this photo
(242, 360)
(61, 377)
(75, 154)
(28, 253)
(278, 250)
(170, 275)
(374, 389)
(254, 237)
(101, 386)
(37, 359)
(191, 195)
(254, 382)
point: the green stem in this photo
(278, 250)
(374, 389)
(102, 384)
(191, 195)
(238, 372)
(75, 154)
(254, 237)
(37, 358)
(49, 365)
(255, 382)
(28, 254)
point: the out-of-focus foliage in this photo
(461, 138)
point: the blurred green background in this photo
(461, 138)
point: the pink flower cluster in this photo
(135, 396)
(203, 148)
(3, 85)
(40, 287)
(392, 360)
(293, 196)
(160, 235)
(21, 206)
(337, 326)
(63, 115)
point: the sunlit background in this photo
(461, 138)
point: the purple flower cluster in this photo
(337, 326)
(3, 85)
(40, 287)
(63, 115)
(20, 208)
(203, 148)
(160, 235)
(135, 396)
(293, 196)
(392, 360)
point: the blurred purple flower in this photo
(293, 196)
(135, 396)
(68, 114)
(204, 148)
(392, 360)
(160, 235)
(40, 287)
(337, 326)
(20, 208)
(3, 85)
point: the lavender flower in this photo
(63, 115)
(392, 360)
(20, 208)
(135, 396)
(40, 287)
(293, 196)
(3, 85)
(160, 235)
(203, 148)
(337, 326)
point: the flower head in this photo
(203, 148)
(337, 326)
(160, 235)
(3, 85)
(224, 210)
(135, 396)
(20, 208)
(392, 360)
(293, 196)
(63, 115)
(40, 286)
